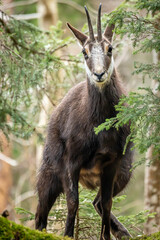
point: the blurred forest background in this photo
(40, 61)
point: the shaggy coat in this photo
(73, 153)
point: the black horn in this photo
(99, 31)
(91, 33)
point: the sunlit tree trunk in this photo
(5, 174)
(49, 15)
(152, 194)
(152, 179)
(48, 11)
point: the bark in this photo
(152, 194)
(5, 174)
(49, 12)
(152, 178)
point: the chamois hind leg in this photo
(48, 187)
(71, 190)
(123, 177)
(117, 228)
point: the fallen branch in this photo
(8, 160)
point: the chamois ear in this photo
(108, 33)
(80, 36)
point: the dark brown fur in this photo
(73, 151)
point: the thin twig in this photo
(27, 16)
(70, 60)
(59, 47)
(77, 225)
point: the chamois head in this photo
(97, 51)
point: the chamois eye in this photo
(109, 53)
(85, 54)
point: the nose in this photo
(99, 75)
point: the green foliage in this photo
(88, 222)
(27, 214)
(29, 70)
(134, 223)
(155, 236)
(27, 59)
(149, 5)
(141, 109)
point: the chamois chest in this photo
(107, 150)
(87, 109)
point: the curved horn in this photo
(91, 33)
(99, 31)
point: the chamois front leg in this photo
(71, 190)
(117, 228)
(107, 183)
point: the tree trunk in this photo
(152, 179)
(5, 174)
(48, 10)
(152, 194)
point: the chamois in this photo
(74, 153)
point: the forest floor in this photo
(11, 230)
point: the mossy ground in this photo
(154, 236)
(12, 231)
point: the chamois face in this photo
(97, 51)
(98, 61)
